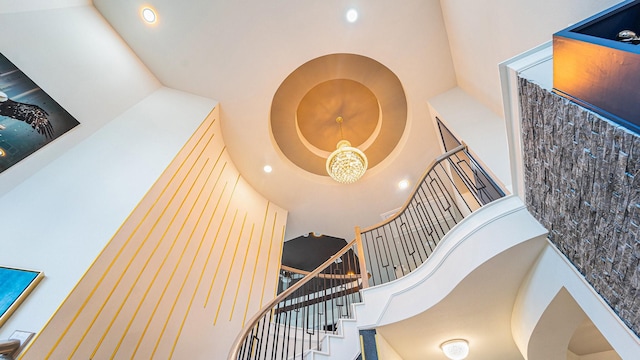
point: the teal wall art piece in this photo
(15, 286)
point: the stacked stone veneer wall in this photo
(582, 175)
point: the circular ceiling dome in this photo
(317, 113)
(366, 94)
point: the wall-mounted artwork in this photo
(15, 286)
(29, 118)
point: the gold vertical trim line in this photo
(362, 347)
(156, 182)
(255, 267)
(275, 290)
(215, 274)
(244, 262)
(184, 249)
(201, 273)
(164, 328)
(233, 260)
(136, 253)
(224, 249)
(195, 289)
(117, 256)
(173, 272)
(266, 270)
(167, 228)
(215, 239)
(146, 263)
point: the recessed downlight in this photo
(352, 15)
(149, 15)
(403, 184)
(267, 168)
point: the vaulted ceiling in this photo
(283, 71)
(280, 72)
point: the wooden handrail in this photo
(322, 276)
(233, 354)
(433, 164)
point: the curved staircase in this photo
(456, 220)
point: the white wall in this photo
(385, 350)
(552, 274)
(477, 126)
(483, 33)
(12, 6)
(63, 203)
(605, 355)
(90, 72)
(60, 218)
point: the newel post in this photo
(364, 274)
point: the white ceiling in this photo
(239, 52)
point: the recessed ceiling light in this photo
(268, 168)
(403, 184)
(352, 15)
(149, 15)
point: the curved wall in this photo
(465, 289)
(483, 235)
(552, 275)
(195, 259)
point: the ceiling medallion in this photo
(346, 164)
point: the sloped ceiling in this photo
(239, 53)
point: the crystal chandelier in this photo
(346, 164)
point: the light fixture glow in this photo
(403, 184)
(267, 169)
(346, 164)
(456, 349)
(352, 15)
(149, 15)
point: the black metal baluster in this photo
(263, 340)
(334, 304)
(343, 272)
(434, 195)
(274, 344)
(399, 257)
(433, 233)
(315, 311)
(285, 352)
(296, 312)
(305, 309)
(324, 302)
(415, 229)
